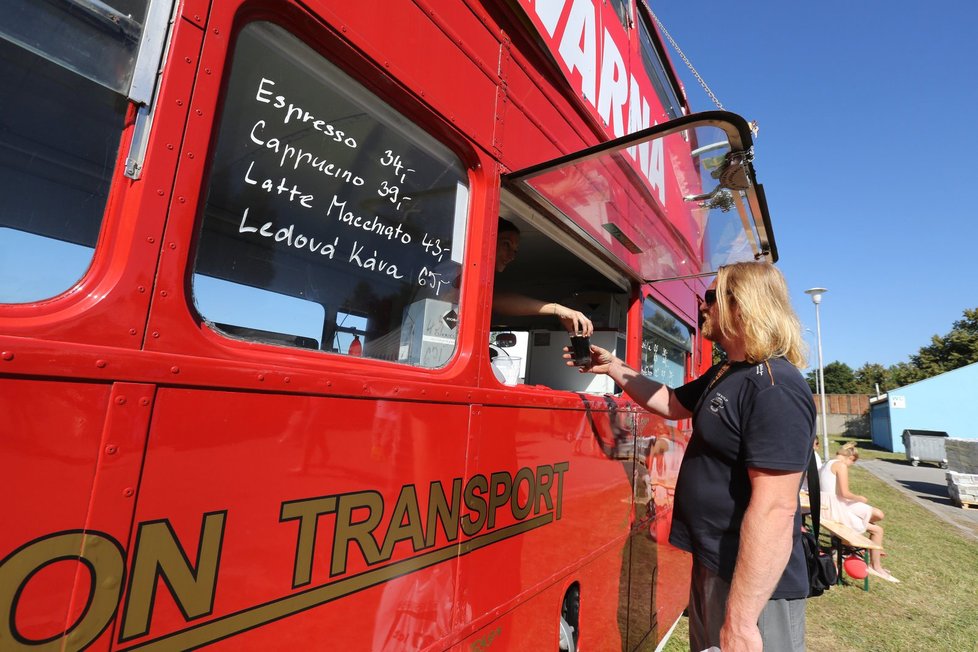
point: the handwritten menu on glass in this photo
(319, 189)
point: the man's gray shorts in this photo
(782, 622)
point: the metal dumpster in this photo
(925, 446)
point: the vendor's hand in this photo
(574, 321)
(601, 360)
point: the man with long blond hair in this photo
(736, 507)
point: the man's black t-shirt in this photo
(753, 416)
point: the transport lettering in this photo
(454, 517)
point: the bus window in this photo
(656, 71)
(321, 192)
(65, 70)
(551, 267)
(667, 343)
(623, 10)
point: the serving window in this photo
(552, 266)
(332, 222)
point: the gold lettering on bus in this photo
(440, 510)
(471, 525)
(405, 523)
(307, 512)
(360, 531)
(103, 558)
(159, 554)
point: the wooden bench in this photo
(842, 536)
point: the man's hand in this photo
(745, 639)
(601, 360)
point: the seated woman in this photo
(852, 509)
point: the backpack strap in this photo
(814, 494)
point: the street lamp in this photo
(816, 295)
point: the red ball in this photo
(855, 567)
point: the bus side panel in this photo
(410, 37)
(317, 510)
(533, 624)
(51, 437)
(663, 454)
(580, 501)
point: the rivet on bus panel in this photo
(7, 356)
(156, 333)
(100, 364)
(128, 492)
(261, 378)
(287, 380)
(174, 370)
(121, 400)
(132, 331)
(111, 449)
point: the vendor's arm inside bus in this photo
(552, 268)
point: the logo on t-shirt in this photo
(718, 402)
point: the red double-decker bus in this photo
(254, 394)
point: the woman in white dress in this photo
(852, 509)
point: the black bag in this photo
(822, 573)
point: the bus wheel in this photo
(570, 613)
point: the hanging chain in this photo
(689, 65)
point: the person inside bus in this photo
(852, 509)
(517, 305)
(736, 500)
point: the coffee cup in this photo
(581, 347)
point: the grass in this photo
(935, 607)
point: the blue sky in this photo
(866, 150)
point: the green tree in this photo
(839, 379)
(867, 378)
(902, 373)
(956, 349)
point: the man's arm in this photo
(654, 396)
(765, 545)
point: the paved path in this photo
(927, 484)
